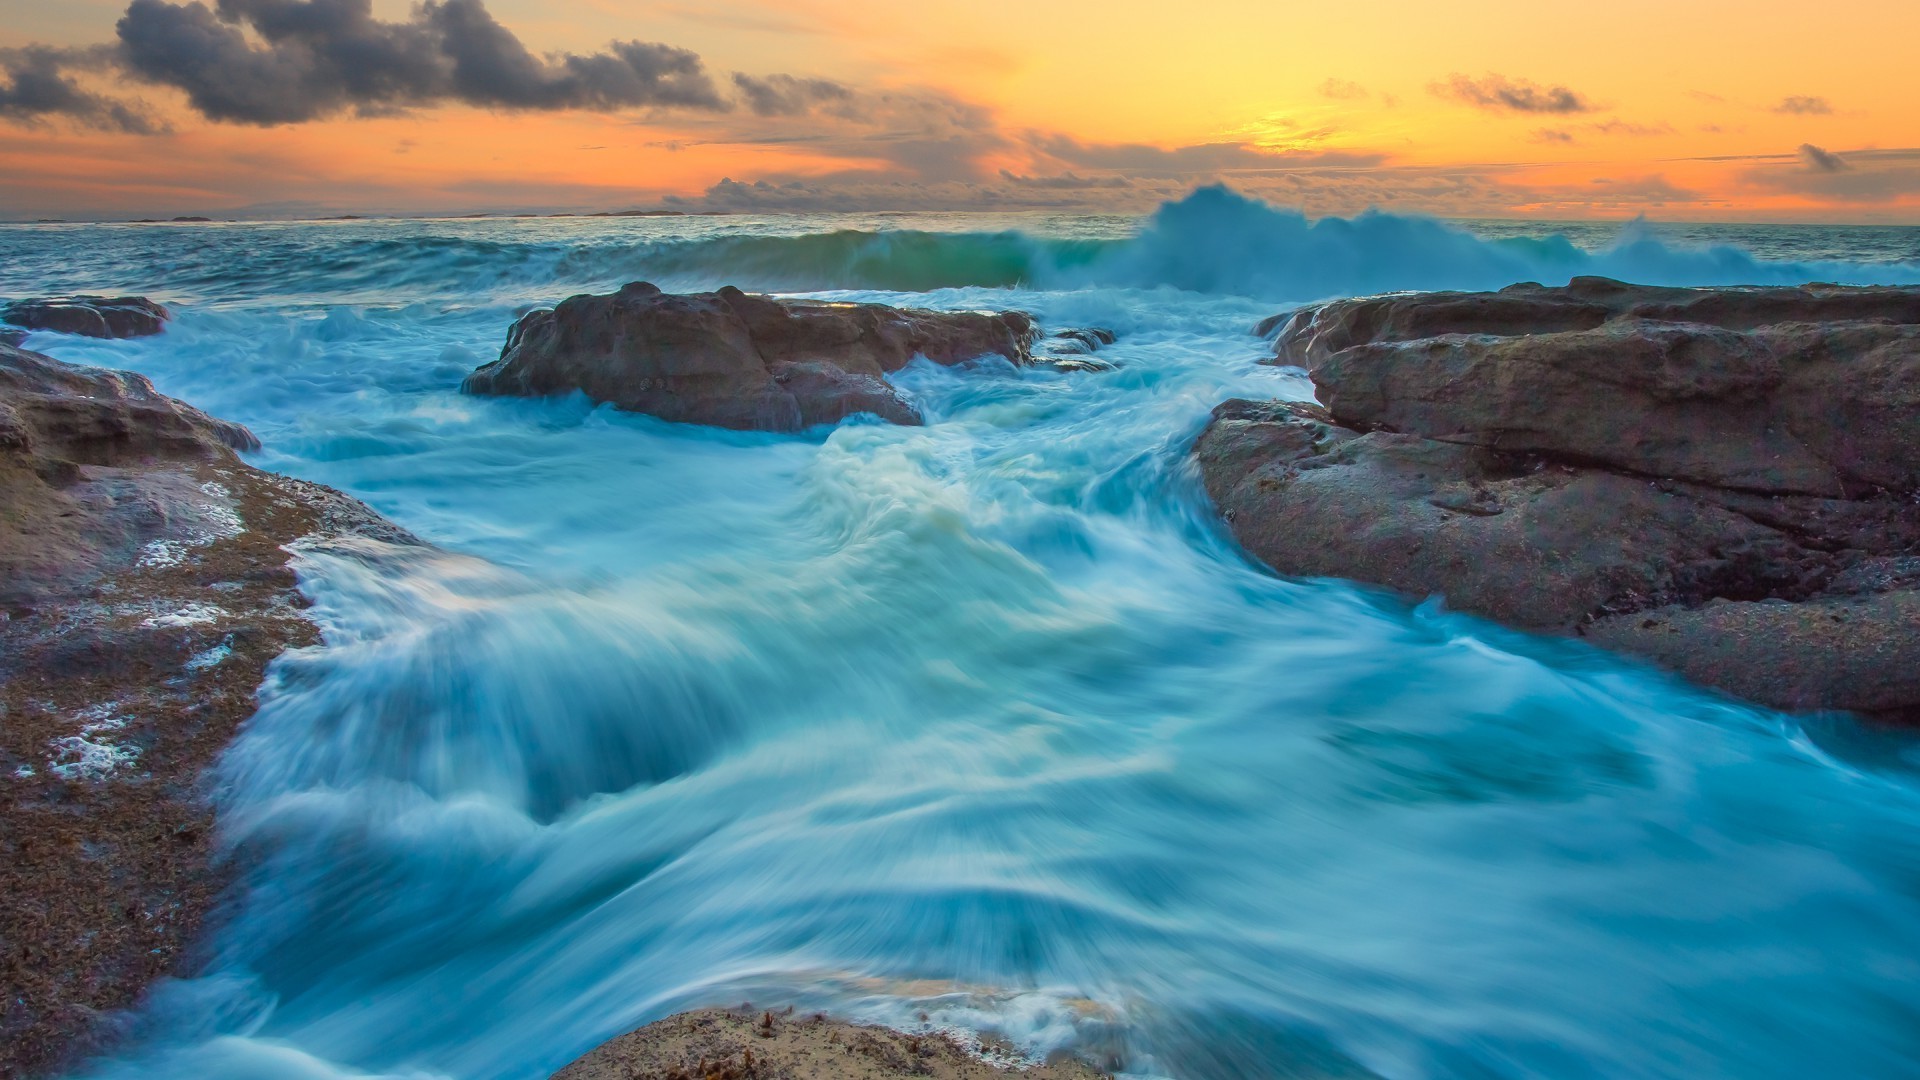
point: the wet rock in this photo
(722, 1044)
(1081, 364)
(1071, 350)
(734, 360)
(90, 316)
(1720, 480)
(1082, 340)
(144, 589)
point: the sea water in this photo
(982, 725)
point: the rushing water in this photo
(987, 720)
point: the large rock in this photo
(734, 360)
(1719, 480)
(144, 589)
(1795, 391)
(90, 316)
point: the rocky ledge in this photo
(1722, 481)
(88, 316)
(144, 588)
(722, 1044)
(735, 360)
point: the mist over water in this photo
(987, 720)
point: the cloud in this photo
(1343, 90)
(1552, 135)
(1855, 177)
(1203, 159)
(317, 58)
(1653, 190)
(1626, 127)
(1821, 161)
(1798, 105)
(1066, 181)
(1501, 94)
(39, 85)
(788, 95)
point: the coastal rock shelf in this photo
(144, 588)
(1720, 480)
(735, 360)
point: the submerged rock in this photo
(90, 316)
(719, 1043)
(1720, 480)
(734, 360)
(1072, 350)
(144, 588)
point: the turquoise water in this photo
(987, 720)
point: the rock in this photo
(720, 1044)
(1081, 364)
(1721, 481)
(90, 316)
(1070, 350)
(1811, 390)
(144, 589)
(1084, 340)
(733, 360)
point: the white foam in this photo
(209, 658)
(86, 756)
(192, 614)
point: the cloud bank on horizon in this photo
(801, 141)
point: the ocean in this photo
(981, 725)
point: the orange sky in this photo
(1685, 109)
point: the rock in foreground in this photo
(144, 588)
(734, 360)
(90, 316)
(716, 1044)
(1720, 480)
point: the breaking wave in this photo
(1213, 241)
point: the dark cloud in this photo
(1501, 94)
(40, 84)
(1821, 161)
(1804, 106)
(320, 57)
(788, 95)
(1343, 90)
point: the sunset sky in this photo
(1681, 109)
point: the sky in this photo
(1688, 110)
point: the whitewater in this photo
(985, 725)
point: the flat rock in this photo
(720, 1044)
(144, 588)
(735, 360)
(1721, 481)
(89, 316)
(1812, 390)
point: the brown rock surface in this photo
(719, 1044)
(1722, 481)
(90, 316)
(144, 588)
(733, 360)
